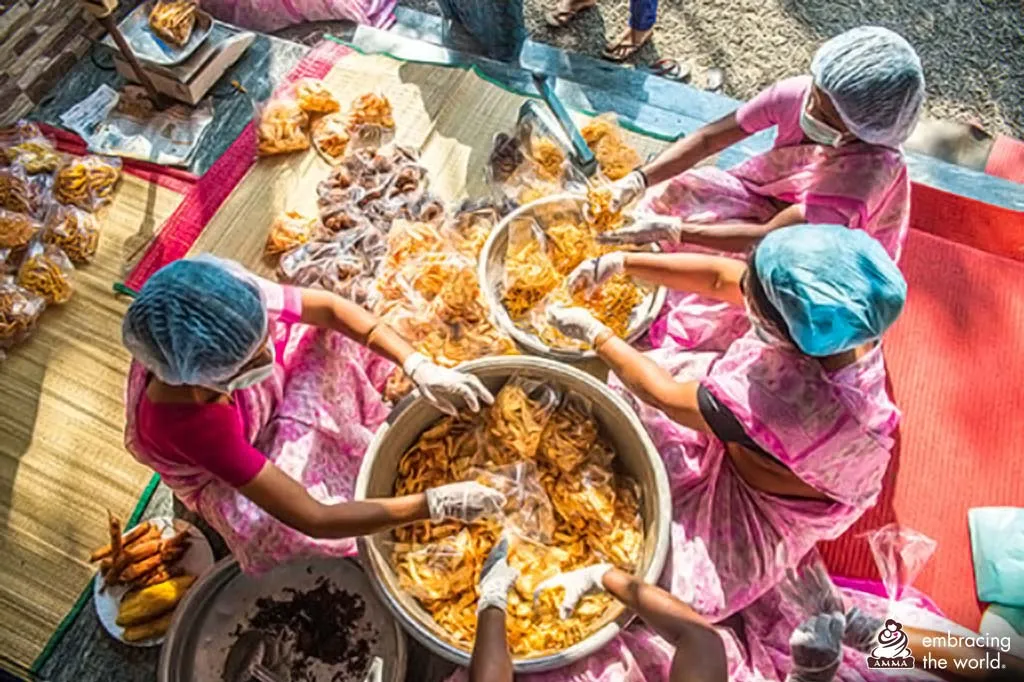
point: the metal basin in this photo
(491, 271)
(619, 423)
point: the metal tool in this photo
(246, 659)
(103, 10)
(580, 155)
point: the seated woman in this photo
(783, 440)
(836, 159)
(255, 403)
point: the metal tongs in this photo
(554, 121)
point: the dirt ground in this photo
(972, 50)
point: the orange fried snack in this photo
(173, 20)
(86, 182)
(34, 156)
(599, 213)
(371, 109)
(314, 97)
(282, 128)
(548, 156)
(16, 229)
(289, 229)
(48, 274)
(74, 231)
(529, 276)
(330, 135)
(614, 156)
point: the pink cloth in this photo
(777, 105)
(313, 419)
(273, 15)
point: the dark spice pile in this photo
(321, 624)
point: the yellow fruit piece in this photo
(153, 601)
(153, 628)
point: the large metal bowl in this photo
(491, 272)
(619, 423)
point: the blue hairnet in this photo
(874, 78)
(195, 322)
(836, 288)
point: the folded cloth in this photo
(997, 545)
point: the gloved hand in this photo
(496, 578)
(817, 648)
(645, 229)
(577, 584)
(576, 323)
(440, 385)
(467, 501)
(862, 630)
(595, 271)
(626, 191)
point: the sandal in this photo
(624, 47)
(565, 10)
(668, 68)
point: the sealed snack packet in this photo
(615, 157)
(516, 421)
(87, 182)
(31, 152)
(289, 230)
(74, 231)
(370, 120)
(16, 229)
(282, 127)
(18, 194)
(314, 97)
(47, 272)
(19, 311)
(331, 136)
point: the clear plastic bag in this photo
(32, 152)
(47, 272)
(331, 137)
(288, 231)
(19, 312)
(516, 421)
(371, 122)
(281, 127)
(528, 511)
(433, 571)
(19, 194)
(615, 157)
(314, 97)
(529, 275)
(87, 182)
(74, 231)
(570, 435)
(900, 554)
(17, 229)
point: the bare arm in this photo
(713, 276)
(687, 152)
(330, 311)
(738, 237)
(287, 501)
(700, 654)
(491, 660)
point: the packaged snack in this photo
(314, 97)
(615, 157)
(87, 182)
(290, 229)
(282, 127)
(75, 231)
(48, 272)
(33, 155)
(331, 137)
(16, 229)
(371, 109)
(173, 20)
(17, 193)
(19, 311)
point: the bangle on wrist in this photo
(373, 330)
(643, 176)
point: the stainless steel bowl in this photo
(635, 450)
(491, 272)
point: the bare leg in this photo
(491, 661)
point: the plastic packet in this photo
(19, 312)
(34, 154)
(529, 274)
(615, 157)
(900, 553)
(370, 120)
(87, 182)
(528, 511)
(18, 132)
(289, 230)
(470, 226)
(18, 193)
(48, 272)
(17, 229)
(331, 137)
(281, 127)
(74, 231)
(516, 421)
(570, 435)
(434, 570)
(505, 158)
(314, 97)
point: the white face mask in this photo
(253, 376)
(819, 132)
(761, 331)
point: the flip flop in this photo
(559, 17)
(622, 51)
(668, 68)
(715, 79)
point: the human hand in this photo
(576, 323)
(595, 271)
(862, 630)
(577, 584)
(645, 229)
(817, 648)
(626, 191)
(466, 501)
(496, 578)
(441, 386)
(812, 591)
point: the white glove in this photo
(577, 584)
(576, 323)
(467, 501)
(595, 271)
(817, 648)
(441, 386)
(626, 191)
(496, 578)
(645, 229)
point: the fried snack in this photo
(19, 311)
(16, 229)
(127, 539)
(599, 214)
(161, 574)
(16, 193)
(570, 243)
(549, 158)
(87, 182)
(314, 97)
(173, 20)
(35, 156)
(282, 128)
(74, 231)
(116, 541)
(597, 514)
(330, 135)
(289, 230)
(614, 156)
(371, 109)
(529, 276)
(154, 601)
(48, 272)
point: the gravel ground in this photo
(973, 50)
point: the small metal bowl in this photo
(491, 272)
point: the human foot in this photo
(627, 44)
(564, 10)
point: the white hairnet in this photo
(874, 78)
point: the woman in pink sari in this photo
(778, 443)
(836, 160)
(255, 403)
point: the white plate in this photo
(197, 560)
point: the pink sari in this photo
(862, 186)
(313, 419)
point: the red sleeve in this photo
(771, 104)
(212, 437)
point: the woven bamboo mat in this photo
(62, 458)
(448, 114)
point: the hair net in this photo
(195, 321)
(874, 78)
(836, 288)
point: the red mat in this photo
(956, 364)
